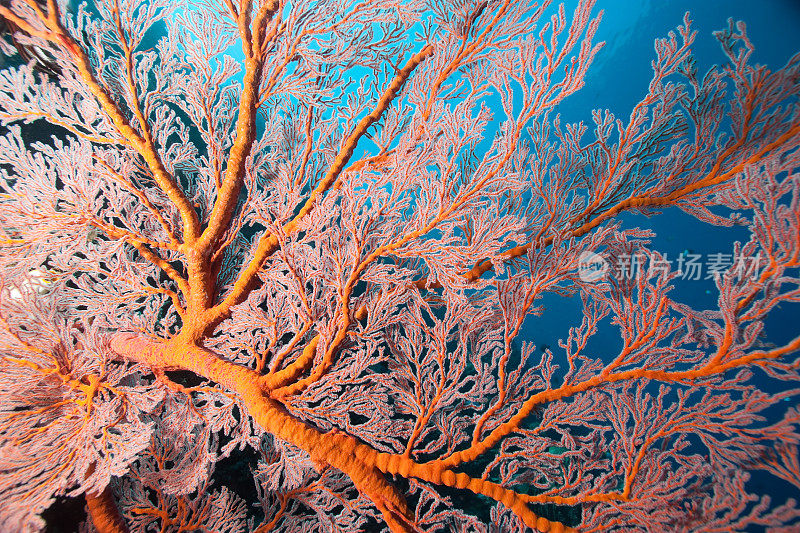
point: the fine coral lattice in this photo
(271, 266)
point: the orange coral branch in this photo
(104, 513)
(360, 462)
(248, 278)
(233, 180)
(57, 34)
(637, 202)
(361, 128)
(713, 368)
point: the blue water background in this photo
(617, 81)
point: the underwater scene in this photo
(399, 265)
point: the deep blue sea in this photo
(617, 81)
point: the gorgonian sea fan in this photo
(321, 257)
